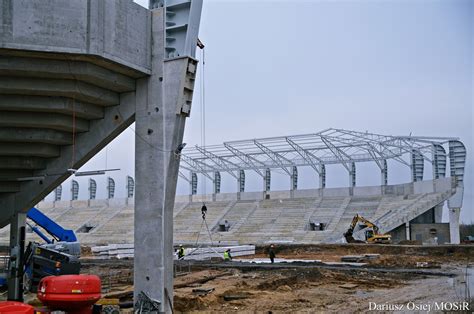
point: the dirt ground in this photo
(400, 275)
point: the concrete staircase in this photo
(399, 215)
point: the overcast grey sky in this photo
(292, 67)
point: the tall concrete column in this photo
(407, 230)
(162, 104)
(322, 176)
(17, 246)
(384, 175)
(438, 213)
(454, 214)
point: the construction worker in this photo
(203, 210)
(181, 252)
(271, 253)
(227, 256)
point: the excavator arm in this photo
(377, 237)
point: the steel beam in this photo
(277, 158)
(182, 176)
(306, 155)
(220, 162)
(17, 246)
(338, 153)
(194, 164)
(251, 162)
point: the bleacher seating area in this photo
(250, 221)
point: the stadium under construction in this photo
(409, 211)
(76, 74)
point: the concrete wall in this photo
(422, 187)
(98, 203)
(443, 184)
(226, 197)
(279, 194)
(307, 193)
(202, 198)
(248, 196)
(427, 233)
(425, 218)
(336, 192)
(367, 190)
(399, 189)
(398, 234)
(429, 186)
(118, 30)
(182, 198)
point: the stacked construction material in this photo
(202, 253)
(119, 251)
(122, 251)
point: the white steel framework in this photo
(330, 146)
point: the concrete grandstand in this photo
(410, 211)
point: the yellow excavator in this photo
(372, 234)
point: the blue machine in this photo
(56, 231)
(58, 256)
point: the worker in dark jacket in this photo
(203, 210)
(271, 253)
(181, 252)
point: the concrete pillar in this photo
(438, 213)
(352, 178)
(407, 230)
(454, 214)
(162, 103)
(322, 177)
(384, 174)
(17, 247)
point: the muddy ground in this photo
(401, 275)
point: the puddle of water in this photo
(463, 284)
(470, 279)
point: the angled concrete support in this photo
(17, 246)
(163, 103)
(116, 119)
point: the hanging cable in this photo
(73, 132)
(203, 113)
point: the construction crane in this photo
(372, 234)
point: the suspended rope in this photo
(203, 113)
(73, 132)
